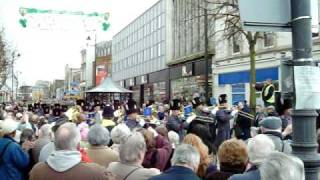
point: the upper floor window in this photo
(268, 39)
(235, 45)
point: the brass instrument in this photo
(247, 115)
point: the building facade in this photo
(103, 62)
(41, 91)
(140, 52)
(25, 93)
(72, 82)
(188, 66)
(231, 63)
(56, 84)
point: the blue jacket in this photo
(177, 173)
(250, 175)
(14, 161)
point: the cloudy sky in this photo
(45, 50)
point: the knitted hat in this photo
(272, 123)
(9, 126)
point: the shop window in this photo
(238, 93)
(268, 39)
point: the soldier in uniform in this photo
(175, 122)
(203, 125)
(223, 117)
(132, 111)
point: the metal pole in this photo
(12, 76)
(304, 143)
(206, 55)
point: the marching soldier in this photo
(175, 122)
(203, 125)
(132, 111)
(223, 117)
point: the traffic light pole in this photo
(304, 143)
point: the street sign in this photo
(272, 15)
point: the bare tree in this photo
(4, 60)
(228, 12)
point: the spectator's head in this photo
(186, 155)
(9, 127)
(120, 133)
(270, 124)
(271, 110)
(27, 135)
(268, 81)
(196, 142)
(58, 123)
(149, 137)
(174, 138)
(259, 108)
(67, 137)
(259, 148)
(45, 131)
(163, 131)
(233, 154)
(280, 166)
(98, 136)
(133, 149)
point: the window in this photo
(151, 51)
(238, 93)
(268, 39)
(159, 49)
(159, 22)
(235, 45)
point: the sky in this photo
(45, 50)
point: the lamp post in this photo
(12, 73)
(304, 143)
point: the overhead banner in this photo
(101, 73)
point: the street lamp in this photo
(12, 72)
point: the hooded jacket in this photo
(67, 165)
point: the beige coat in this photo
(102, 155)
(82, 171)
(122, 170)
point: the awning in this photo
(109, 86)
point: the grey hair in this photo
(281, 166)
(67, 137)
(130, 151)
(186, 154)
(259, 148)
(98, 135)
(45, 130)
(120, 133)
(174, 138)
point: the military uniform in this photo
(176, 123)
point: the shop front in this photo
(188, 79)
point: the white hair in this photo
(131, 150)
(67, 137)
(120, 133)
(259, 148)
(174, 138)
(45, 131)
(281, 166)
(186, 154)
(98, 135)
